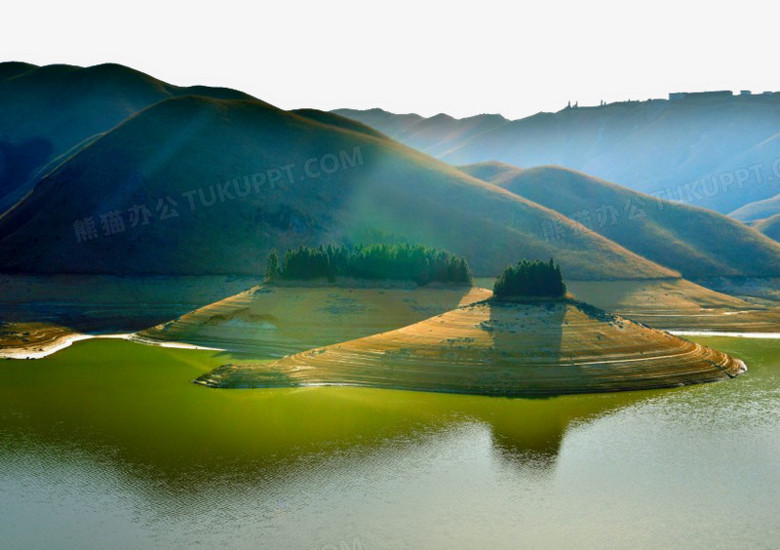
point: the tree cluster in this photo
(534, 278)
(398, 262)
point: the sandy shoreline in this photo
(767, 335)
(62, 343)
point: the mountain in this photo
(758, 210)
(203, 185)
(769, 227)
(696, 242)
(437, 136)
(49, 113)
(713, 150)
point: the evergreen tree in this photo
(272, 266)
(382, 261)
(530, 279)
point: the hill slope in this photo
(694, 241)
(278, 320)
(758, 210)
(681, 305)
(208, 186)
(716, 151)
(769, 227)
(48, 113)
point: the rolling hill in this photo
(758, 210)
(202, 185)
(49, 113)
(696, 242)
(709, 149)
(769, 227)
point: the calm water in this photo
(107, 445)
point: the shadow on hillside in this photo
(526, 342)
(18, 162)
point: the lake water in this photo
(107, 444)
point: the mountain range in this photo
(108, 170)
(715, 150)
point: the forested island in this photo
(530, 279)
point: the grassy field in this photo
(679, 304)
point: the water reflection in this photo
(169, 438)
(108, 442)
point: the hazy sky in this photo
(512, 58)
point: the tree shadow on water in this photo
(532, 363)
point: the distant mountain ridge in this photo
(716, 150)
(758, 210)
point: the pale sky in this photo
(512, 58)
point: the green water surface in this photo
(108, 444)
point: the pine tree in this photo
(272, 266)
(526, 278)
(381, 261)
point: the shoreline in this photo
(507, 349)
(708, 333)
(67, 341)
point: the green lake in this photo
(108, 444)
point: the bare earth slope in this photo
(677, 304)
(274, 320)
(499, 348)
(39, 314)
